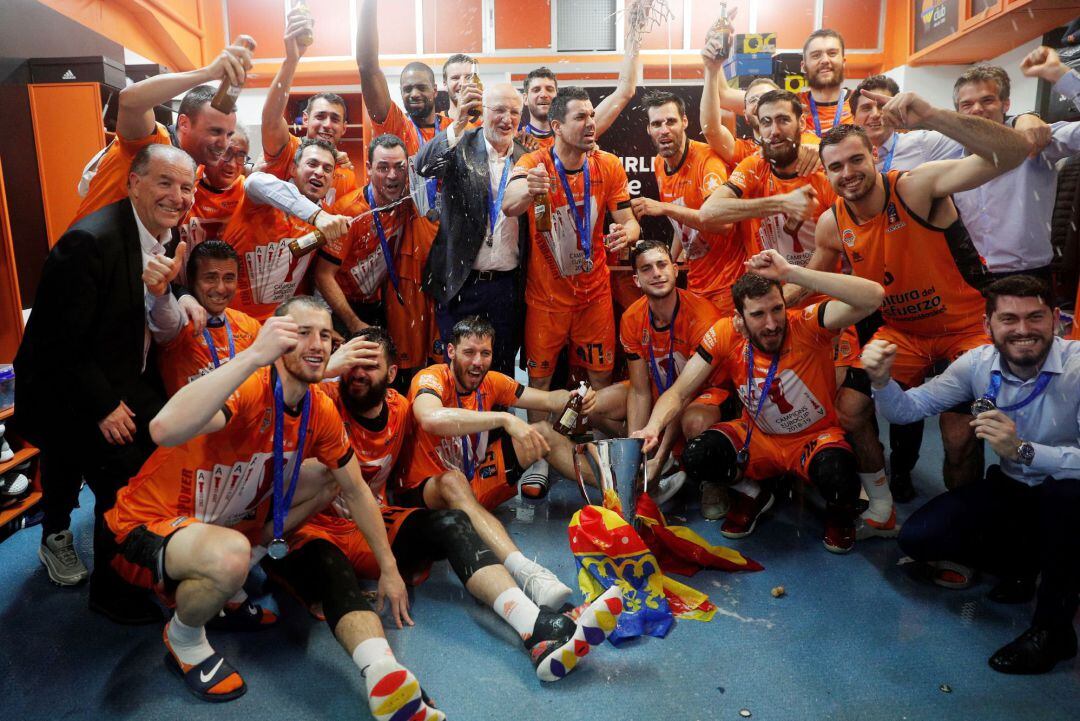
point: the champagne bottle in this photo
(542, 212)
(568, 419)
(307, 37)
(225, 99)
(475, 80)
(307, 243)
(725, 30)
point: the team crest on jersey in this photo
(848, 237)
(711, 182)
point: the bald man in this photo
(475, 264)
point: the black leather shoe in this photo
(1036, 650)
(901, 487)
(123, 603)
(1017, 589)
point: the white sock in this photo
(877, 490)
(514, 607)
(188, 643)
(369, 651)
(516, 563)
(747, 488)
(539, 468)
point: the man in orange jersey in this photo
(200, 130)
(902, 230)
(217, 194)
(323, 118)
(418, 122)
(780, 362)
(660, 332)
(185, 354)
(541, 86)
(274, 212)
(778, 208)
(468, 450)
(687, 173)
(378, 421)
(230, 442)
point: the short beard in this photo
(420, 115)
(814, 84)
(781, 158)
(359, 406)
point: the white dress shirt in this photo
(499, 251)
(150, 246)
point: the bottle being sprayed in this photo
(307, 243)
(225, 99)
(725, 30)
(306, 38)
(568, 419)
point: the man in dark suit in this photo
(476, 265)
(85, 391)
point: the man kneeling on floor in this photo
(378, 424)
(187, 522)
(467, 449)
(1026, 406)
(780, 362)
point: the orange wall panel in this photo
(857, 20)
(71, 111)
(332, 33)
(397, 28)
(791, 20)
(10, 303)
(453, 27)
(522, 25)
(659, 38)
(264, 21)
(703, 13)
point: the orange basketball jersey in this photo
(187, 356)
(825, 114)
(110, 184)
(281, 164)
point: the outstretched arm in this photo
(720, 139)
(135, 113)
(610, 107)
(275, 131)
(372, 80)
(674, 400)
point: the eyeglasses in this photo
(230, 156)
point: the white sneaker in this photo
(542, 586)
(668, 487)
(58, 555)
(13, 484)
(6, 454)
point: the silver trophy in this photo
(615, 464)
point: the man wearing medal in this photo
(184, 354)
(226, 478)
(1023, 389)
(476, 263)
(780, 362)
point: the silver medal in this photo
(277, 549)
(982, 405)
(587, 265)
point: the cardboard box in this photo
(750, 43)
(742, 65)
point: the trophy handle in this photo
(578, 449)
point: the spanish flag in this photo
(680, 550)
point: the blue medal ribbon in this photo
(495, 205)
(661, 387)
(744, 453)
(537, 132)
(887, 164)
(836, 118)
(431, 185)
(995, 387)
(210, 343)
(468, 443)
(582, 219)
(282, 499)
(391, 269)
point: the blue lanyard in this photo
(744, 453)
(887, 164)
(995, 387)
(836, 118)
(210, 343)
(537, 132)
(391, 270)
(661, 387)
(468, 443)
(431, 185)
(582, 220)
(282, 504)
(495, 206)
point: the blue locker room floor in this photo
(857, 637)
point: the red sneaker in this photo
(744, 513)
(839, 537)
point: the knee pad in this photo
(835, 473)
(710, 458)
(337, 585)
(452, 530)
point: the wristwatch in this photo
(1025, 453)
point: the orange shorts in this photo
(493, 483)
(712, 396)
(775, 454)
(412, 325)
(847, 350)
(590, 332)
(346, 536)
(917, 354)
